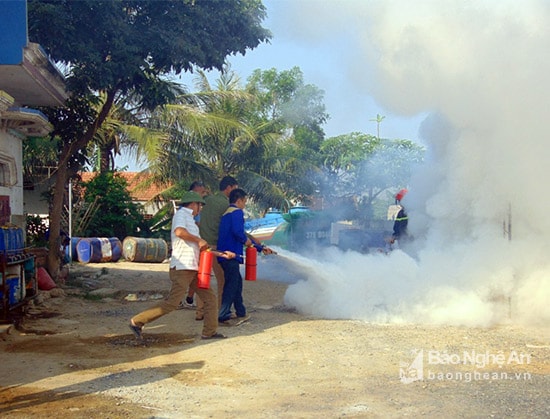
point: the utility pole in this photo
(507, 227)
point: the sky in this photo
(323, 55)
(469, 79)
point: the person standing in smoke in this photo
(401, 221)
(400, 224)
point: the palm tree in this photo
(215, 132)
(126, 123)
(378, 121)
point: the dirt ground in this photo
(74, 356)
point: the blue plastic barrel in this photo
(11, 239)
(98, 249)
(4, 243)
(14, 289)
(74, 242)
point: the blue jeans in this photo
(232, 290)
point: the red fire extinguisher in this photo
(205, 269)
(250, 263)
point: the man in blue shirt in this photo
(232, 237)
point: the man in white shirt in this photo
(184, 265)
(198, 187)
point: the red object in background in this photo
(401, 194)
(5, 211)
(205, 269)
(250, 263)
(45, 281)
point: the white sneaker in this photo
(188, 306)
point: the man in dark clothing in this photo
(400, 224)
(216, 204)
(232, 237)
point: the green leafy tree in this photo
(341, 156)
(127, 46)
(117, 215)
(126, 124)
(360, 167)
(342, 153)
(39, 158)
(389, 167)
(284, 97)
(224, 128)
(214, 132)
(36, 231)
(298, 111)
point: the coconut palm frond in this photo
(261, 190)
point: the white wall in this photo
(11, 147)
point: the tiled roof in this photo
(133, 179)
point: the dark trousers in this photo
(232, 290)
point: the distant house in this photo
(27, 78)
(140, 195)
(35, 204)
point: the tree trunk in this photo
(105, 160)
(53, 264)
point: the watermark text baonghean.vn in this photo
(484, 365)
(478, 359)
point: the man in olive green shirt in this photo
(211, 215)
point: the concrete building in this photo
(28, 78)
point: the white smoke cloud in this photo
(480, 68)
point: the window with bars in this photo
(8, 174)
